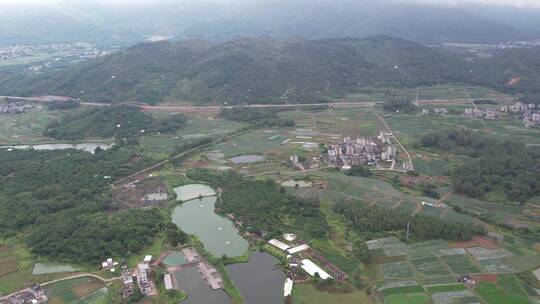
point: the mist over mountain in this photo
(223, 20)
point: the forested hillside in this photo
(247, 71)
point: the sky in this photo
(516, 3)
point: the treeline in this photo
(96, 236)
(257, 117)
(265, 208)
(402, 106)
(63, 198)
(366, 219)
(498, 171)
(115, 121)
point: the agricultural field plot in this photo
(197, 128)
(429, 266)
(7, 266)
(445, 288)
(502, 213)
(460, 263)
(26, 128)
(496, 266)
(397, 270)
(408, 298)
(307, 294)
(72, 291)
(451, 297)
(502, 293)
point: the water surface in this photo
(259, 280)
(87, 147)
(218, 234)
(191, 282)
(244, 159)
(189, 192)
(176, 258)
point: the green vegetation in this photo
(262, 207)
(257, 117)
(117, 121)
(446, 288)
(409, 298)
(248, 71)
(359, 170)
(494, 294)
(399, 106)
(94, 236)
(62, 199)
(63, 105)
(506, 170)
(404, 289)
(375, 219)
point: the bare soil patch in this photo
(8, 266)
(485, 278)
(476, 241)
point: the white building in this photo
(311, 268)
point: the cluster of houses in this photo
(301, 256)
(15, 107)
(140, 275)
(362, 151)
(489, 114)
(301, 164)
(31, 295)
(436, 111)
(530, 113)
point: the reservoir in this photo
(259, 280)
(218, 234)
(88, 147)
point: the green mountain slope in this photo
(247, 71)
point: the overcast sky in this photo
(518, 3)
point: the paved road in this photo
(411, 166)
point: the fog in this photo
(515, 3)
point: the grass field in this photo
(307, 294)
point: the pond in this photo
(259, 280)
(218, 234)
(175, 259)
(191, 282)
(88, 147)
(43, 268)
(293, 183)
(245, 159)
(189, 192)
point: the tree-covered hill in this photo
(247, 70)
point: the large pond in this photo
(218, 234)
(244, 159)
(88, 147)
(259, 280)
(43, 268)
(191, 282)
(189, 192)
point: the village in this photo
(363, 151)
(529, 114)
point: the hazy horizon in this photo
(514, 3)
